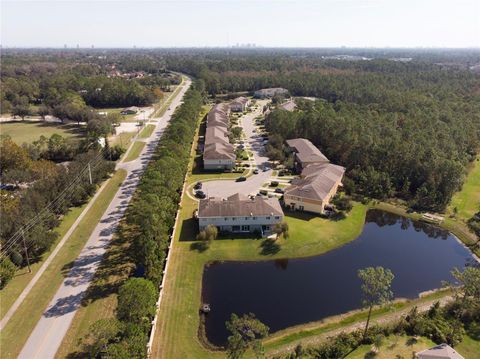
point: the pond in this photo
(288, 292)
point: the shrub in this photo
(7, 271)
(136, 302)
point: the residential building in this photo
(239, 104)
(239, 213)
(305, 153)
(129, 110)
(270, 92)
(218, 153)
(442, 351)
(319, 179)
(289, 105)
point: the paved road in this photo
(50, 330)
(225, 188)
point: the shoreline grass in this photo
(16, 332)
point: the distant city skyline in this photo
(215, 23)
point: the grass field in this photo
(467, 201)
(16, 332)
(135, 151)
(124, 118)
(123, 139)
(29, 131)
(147, 131)
(392, 347)
(469, 348)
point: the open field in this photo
(135, 151)
(125, 118)
(467, 201)
(27, 132)
(18, 329)
(469, 347)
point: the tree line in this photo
(147, 227)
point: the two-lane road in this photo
(50, 330)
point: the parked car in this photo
(279, 190)
(266, 168)
(241, 179)
(274, 183)
(263, 192)
(198, 185)
(200, 194)
(255, 171)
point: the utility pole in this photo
(26, 252)
(90, 173)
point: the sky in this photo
(267, 23)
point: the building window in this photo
(267, 218)
(245, 228)
(233, 218)
(254, 218)
(277, 217)
(226, 218)
(246, 218)
(301, 208)
(235, 228)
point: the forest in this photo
(69, 86)
(403, 129)
(36, 192)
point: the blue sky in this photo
(280, 23)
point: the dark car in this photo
(278, 190)
(241, 179)
(255, 171)
(200, 194)
(198, 185)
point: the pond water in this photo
(288, 292)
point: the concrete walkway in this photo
(50, 330)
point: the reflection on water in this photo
(286, 292)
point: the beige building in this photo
(318, 182)
(218, 152)
(239, 104)
(239, 213)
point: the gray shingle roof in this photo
(316, 182)
(442, 351)
(306, 151)
(217, 145)
(238, 205)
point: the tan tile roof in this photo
(306, 151)
(316, 181)
(238, 205)
(219, 151)
(442, 351)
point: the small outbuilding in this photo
(442, 351)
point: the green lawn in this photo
(135, 151)
(467, 201)
(27, 131)
(469, 348)
(392, 347)
(147, 131)
(16, 332)
(125, 118)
